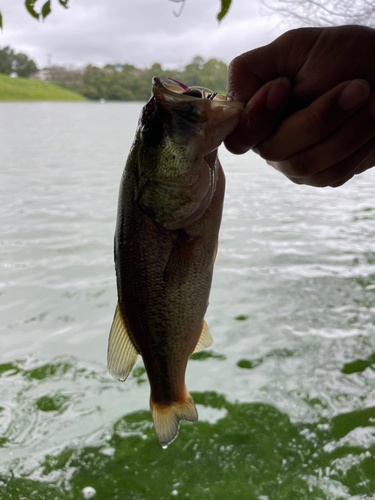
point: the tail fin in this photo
(167, 418)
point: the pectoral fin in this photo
(205, 340)
(180, 259)
(122, 354)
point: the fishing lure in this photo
(196, 91)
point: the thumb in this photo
(259, 116)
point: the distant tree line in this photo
(117, 82)
(11, 62)
(125, 82)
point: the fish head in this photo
(176, 151)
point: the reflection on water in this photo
(286, 394)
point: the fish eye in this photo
(152, 134)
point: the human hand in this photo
(322, 131)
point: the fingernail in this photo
(354, 94)
(278, 94)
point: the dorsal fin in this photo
(122, 354)
(205, 340)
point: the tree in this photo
(192, 72)
(6, 55)
(60, 74)
(327, 13)
(19, 63)
(214, 76)
(125, 82)
(23, 66)
(315, 13)
(225, 4)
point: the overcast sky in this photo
(138, 32)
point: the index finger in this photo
(259, 116)
(284, 57)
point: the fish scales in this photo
(169, 214)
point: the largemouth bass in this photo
(169, 214)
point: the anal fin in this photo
(122, 354)
(205, 340)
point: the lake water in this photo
(286, 395)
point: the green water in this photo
(285, 397)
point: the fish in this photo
(166, 237)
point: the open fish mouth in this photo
(178, 92)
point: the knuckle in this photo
(237, 66)
(288, 37)
(236, 71)
(316, 121)
(262, 151)
(349, 141)
(336, 185)
(309, 181)
(296, 180)
(320, 183)
(299, 165)
(266, 150)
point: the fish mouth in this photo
(166, 92)
(210, 116)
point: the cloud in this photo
(139, 32)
